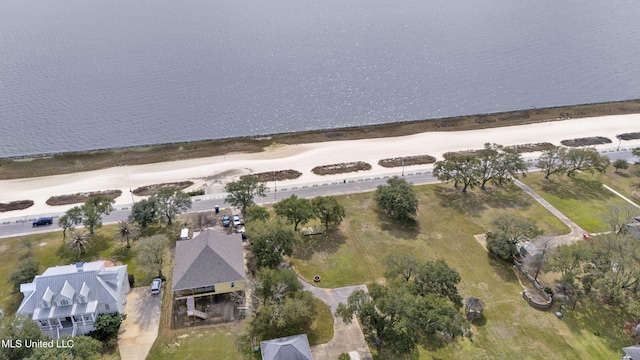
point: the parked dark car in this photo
(43, 221)
(226, 221)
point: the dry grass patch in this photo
(16, 205)
(586, 141)
(279, 175)
(341, 168)
(81, 197)
(153, 189)
(407, 160)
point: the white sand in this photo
(213, 172)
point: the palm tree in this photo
(78, 241)
(127, 232)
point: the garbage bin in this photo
(217, 208)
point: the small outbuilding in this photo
(473, 307)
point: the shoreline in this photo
(211, 173)
(29, 166)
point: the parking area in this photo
(140, 329)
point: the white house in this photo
(67, 299)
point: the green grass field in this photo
(445, 226)
(583, 198)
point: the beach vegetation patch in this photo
(407, 161)
(81, 197)
(153, 189)
(629, 136)
(521, 148)
(16, 205)
(586, 141)
(341, 168)
(278, 175)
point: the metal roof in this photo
(63, 280)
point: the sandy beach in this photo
(213, 172)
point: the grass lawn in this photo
(624, 182)
(445, 224)
(322, 328)
(583, 198)
(198, 343)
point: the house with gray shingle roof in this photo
(66, 300)
(211, 263)
(287, 348)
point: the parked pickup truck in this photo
(43, 221)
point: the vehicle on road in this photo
(225, 221)
(236, 221)
(42, 221)
(156, 284)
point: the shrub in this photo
(107, 326)
(196, 192)
(548, 290)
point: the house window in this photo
(106, 307)
(64, 302)
(82, 300)
(233, 285)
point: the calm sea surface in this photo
(87, 74)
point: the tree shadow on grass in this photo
(405, 229)
(592, 316)
(503, 269)
(475, 201)
(328, 242)
(576, 189)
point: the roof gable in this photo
(208, 259)
(63, 281)
(287, 348)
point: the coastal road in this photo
(351, 184)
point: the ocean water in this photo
(89, 74)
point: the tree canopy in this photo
(151, 253)
(397, 317)
(282, 309)
(507, 231)
(170, 202)
(328, 210)
(493, 163)
(127, 232)
(93, 209)
(570, 161)
(89, 214)
(270, 242)
(23, 273)
(242, 192)
(397, 199)
(297, 211)
(145, 212)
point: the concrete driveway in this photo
(140, 329)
